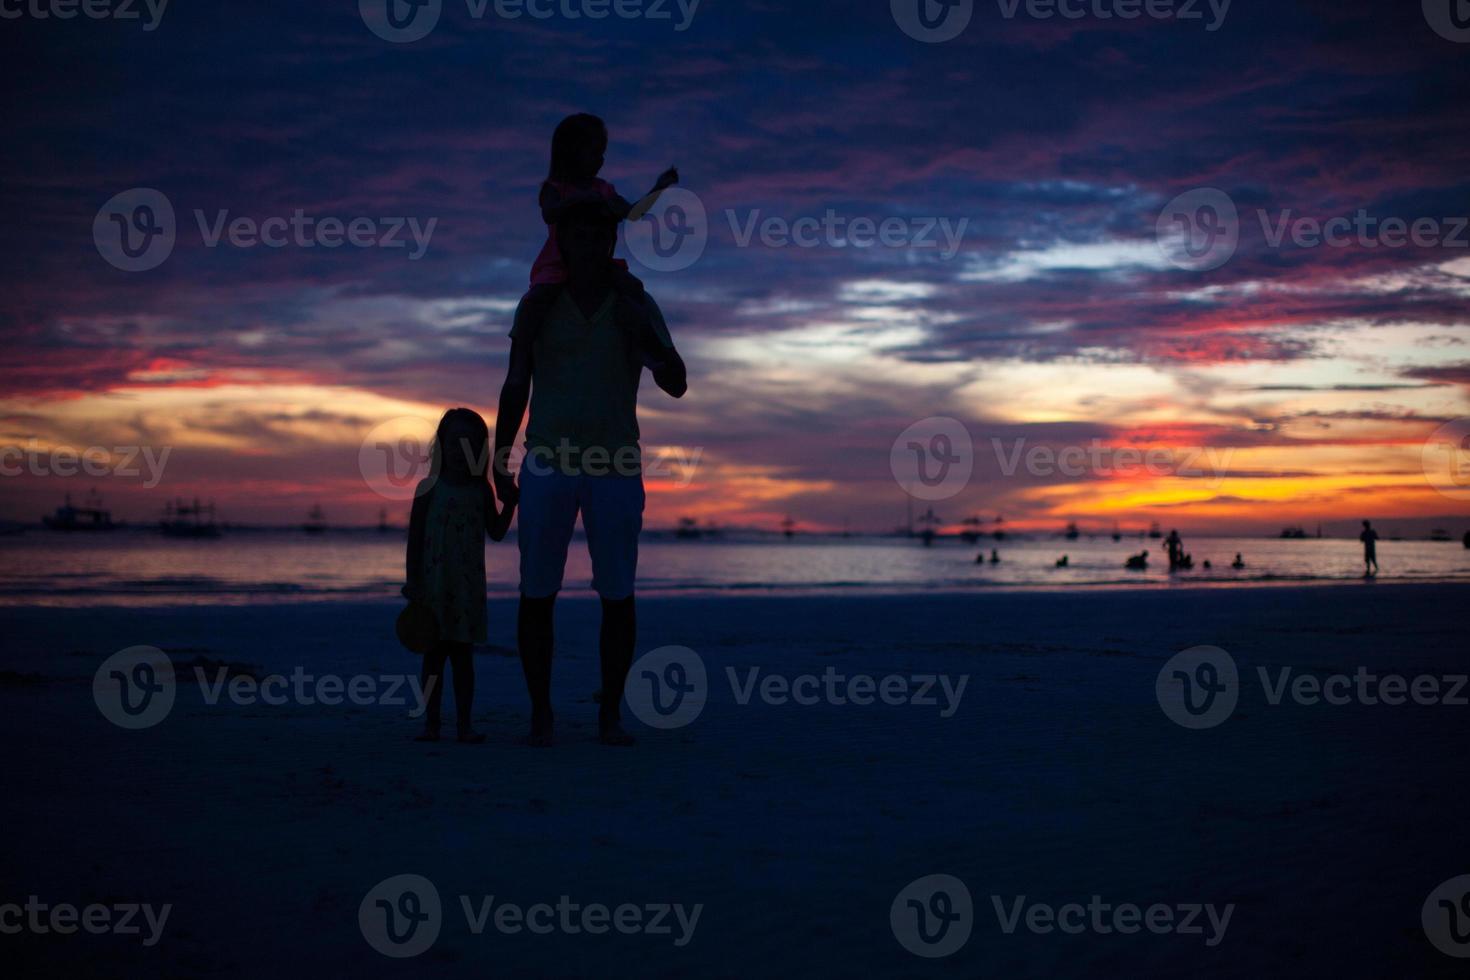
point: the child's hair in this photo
(475, 445)
(572, 134)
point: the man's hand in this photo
(667, 179)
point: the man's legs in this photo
(548, 514)
(612, 514)
(534, 637)
(616, 641)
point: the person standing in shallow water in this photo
(577, 359)
(1369, 537)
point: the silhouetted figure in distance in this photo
(1369, 537)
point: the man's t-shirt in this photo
(584, 388)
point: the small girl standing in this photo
(453, 510)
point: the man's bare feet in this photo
(427, 735)
(542, 726)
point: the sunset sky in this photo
(1312, 374)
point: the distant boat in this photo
(688, 529)
(91, 516)
(316, 521)
(1294, 533)
(1072, 534)
(788, 528)
(383, 524)
(1117, 535)
(930, 520)
(1440, 534)
(184, 520)
(1154, 531)
(971, 533)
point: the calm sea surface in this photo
(136, 566)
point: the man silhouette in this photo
(578, 359)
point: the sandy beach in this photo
(1055, 775)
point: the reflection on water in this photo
(139, 567)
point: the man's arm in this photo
(653, 341)
(515, 393)
(669, 373)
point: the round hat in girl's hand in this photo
(418, 628)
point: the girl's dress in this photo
(548, 267)
(454, 560)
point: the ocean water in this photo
(139, 567)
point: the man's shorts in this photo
(612, 515)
